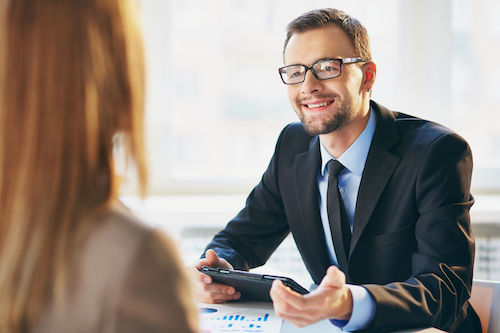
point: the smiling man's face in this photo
(324, 106)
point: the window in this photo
(475, 101)
(216, 104)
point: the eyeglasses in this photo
(323, 69)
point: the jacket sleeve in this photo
(250, 238)
(156, 292)
(436, 293)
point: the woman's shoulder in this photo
(118, 264)
(153, 276)
(117, 236)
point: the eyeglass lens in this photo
(323, 69)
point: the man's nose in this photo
(311, 83)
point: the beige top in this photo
(126, 278)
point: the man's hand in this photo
(205, 289)
(331, 300)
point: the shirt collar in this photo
(354, 157)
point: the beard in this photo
(342, 117)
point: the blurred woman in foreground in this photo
(71, 258)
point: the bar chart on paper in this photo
(228, 318)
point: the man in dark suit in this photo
(377, 201)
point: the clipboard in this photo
(252, 286)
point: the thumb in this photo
(334, 278)
(212, 258)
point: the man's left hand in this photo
(331, 300)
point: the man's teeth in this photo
(317, 105)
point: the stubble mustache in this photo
(301, 100)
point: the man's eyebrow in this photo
(315, 61)
(327, 58)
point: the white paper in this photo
(247, 317)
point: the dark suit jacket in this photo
(412, 245)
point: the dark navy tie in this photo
(339, 224)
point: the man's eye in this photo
(328, 68)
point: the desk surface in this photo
(286, 327)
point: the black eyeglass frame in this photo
(341, 61)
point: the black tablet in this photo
(251, 285)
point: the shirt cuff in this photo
(363, 310)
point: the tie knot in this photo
(334, 168)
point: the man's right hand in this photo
(208, 291)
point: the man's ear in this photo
(370, 73)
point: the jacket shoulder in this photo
(294, 137)
(412, 128)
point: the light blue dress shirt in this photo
(353, 159)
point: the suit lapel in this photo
(379, 166)
(311, 230)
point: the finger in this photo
(336, 278)
(291, 297)
(216, 293)
(289, 313)
(284, 310)
(218, 298)
(198, 276)
(205, 282)
(215, 298)
(294, 312)
(308, 308)
(201, 262)
(207, 279)
(218, 288)
(280, 302)
(212, 258)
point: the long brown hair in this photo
(71, 77)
